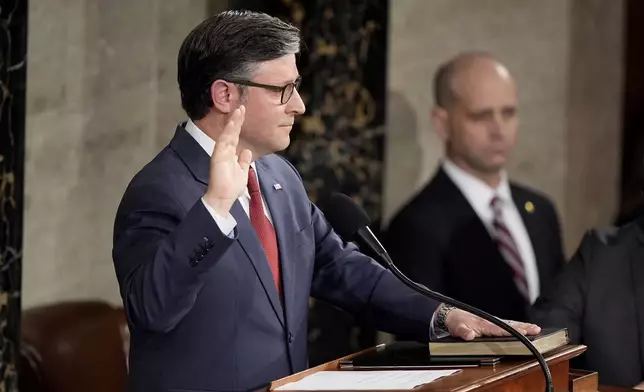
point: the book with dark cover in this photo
(547, 340)
(409, 356)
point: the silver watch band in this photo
(441, 316)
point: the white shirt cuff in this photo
(226, 224)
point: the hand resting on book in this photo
(467, 326)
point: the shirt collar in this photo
(200, 136)
(476, 191)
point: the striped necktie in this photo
(508, 248)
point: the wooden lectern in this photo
(510, 375)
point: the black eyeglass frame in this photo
(281, 89)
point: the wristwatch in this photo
(441, 316)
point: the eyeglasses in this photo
(287, 90)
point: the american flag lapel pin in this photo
(277, 187)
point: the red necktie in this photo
(263, 227)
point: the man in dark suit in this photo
(471, 233)
(599, 297)
(216, 244)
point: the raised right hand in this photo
(228, 173)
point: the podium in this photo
(512, 374)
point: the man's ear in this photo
(440, 122)
(225, 96)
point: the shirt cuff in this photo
(226, 224)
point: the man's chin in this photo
(490, 168)
(495, 165)
(282, 144)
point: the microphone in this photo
(351, 223)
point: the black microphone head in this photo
(345, 216)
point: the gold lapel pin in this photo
(529, 207)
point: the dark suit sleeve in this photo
(155, 239)
(354, 282)
(563, 305)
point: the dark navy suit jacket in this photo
(203, 308)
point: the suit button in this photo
(290, 338)
(208, 244)
(193, 262)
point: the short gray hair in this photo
(229, 45)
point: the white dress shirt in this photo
(479, 195)
(226, 224)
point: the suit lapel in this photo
(467, 223)
(530, 219)
(460, 208)
(277, 200)
(637, 268)
(249, 241)
(198, 162)
(486, 260)
(193, 156)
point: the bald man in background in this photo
(471, 233)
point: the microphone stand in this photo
(463, 306)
